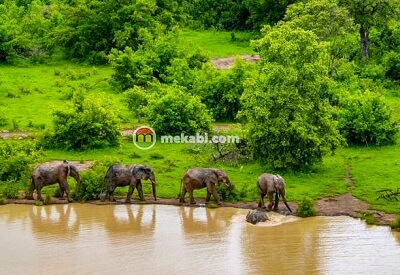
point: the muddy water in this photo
(149, 239)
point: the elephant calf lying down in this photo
(197, 178)
(118, 175)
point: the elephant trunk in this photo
(227, 184)
(153, 186)
(78, 183)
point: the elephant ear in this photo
(140, 172)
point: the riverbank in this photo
(343, 205)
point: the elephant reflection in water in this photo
(128, 221)
(203, 220)
(55, 221)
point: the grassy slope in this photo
(372, 168)
(29, 95)
(219, 43)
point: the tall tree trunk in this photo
(364, 42)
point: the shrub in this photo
(306, 208)
(11, 190)
(91, 123)
(17, 159)
(221, 91)
(395, 224)
(176, 112)
(227, 195)
(391, 62)
(2, 201)
(366, 119)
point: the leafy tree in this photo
(288, 122)
(366, 119)
(160, 59)
(221, 91)
(329, 22)
(368, 14)
(137, 101)
(173, 111)
(90, 124)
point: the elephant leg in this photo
(208, 196)
(271, 200)
(192, 201)
(213, 191)
(130, 192)
(65, 188)
(29, 196)
(111, 192)
(261, 202)
(61, 190)
(140, 190)
(182, 196)
(39, 192)
(276, 201)
(103, 195)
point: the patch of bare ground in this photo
(227, 62)
(348, 205)
(5, 134)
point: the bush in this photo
(11, 190)
(17, 159)
(395, 224)
(92, 181)
(227, 195)
(366, 119)
(91, 123)
(176, 112)
(306, 208)
(221, 91)
(391, 62)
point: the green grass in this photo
(29, 95)
(219, 43)
(373, 169)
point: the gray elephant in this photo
(255, 216)
(268, 184)
(47, 174)
(118, 175)
(197, 178)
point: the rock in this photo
(255, 216)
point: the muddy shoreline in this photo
(343, 205)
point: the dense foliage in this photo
(289, 123)
(366, 119)
(90, 124)
(17, 159)
(173, 112)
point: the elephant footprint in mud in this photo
(268, 184)
(197, 178)
(47, 174)
(118, 175)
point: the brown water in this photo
(149, 239)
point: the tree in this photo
(368, 14)
(329, 22)
(288, 122)
(173, 111)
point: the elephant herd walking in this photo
(132, 175)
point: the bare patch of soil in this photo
(81, 166)
(227, 62)
(13, 134)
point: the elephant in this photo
(197, 178)
(118, 175)
(47, 174)
(268, 184)
(255, 216)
